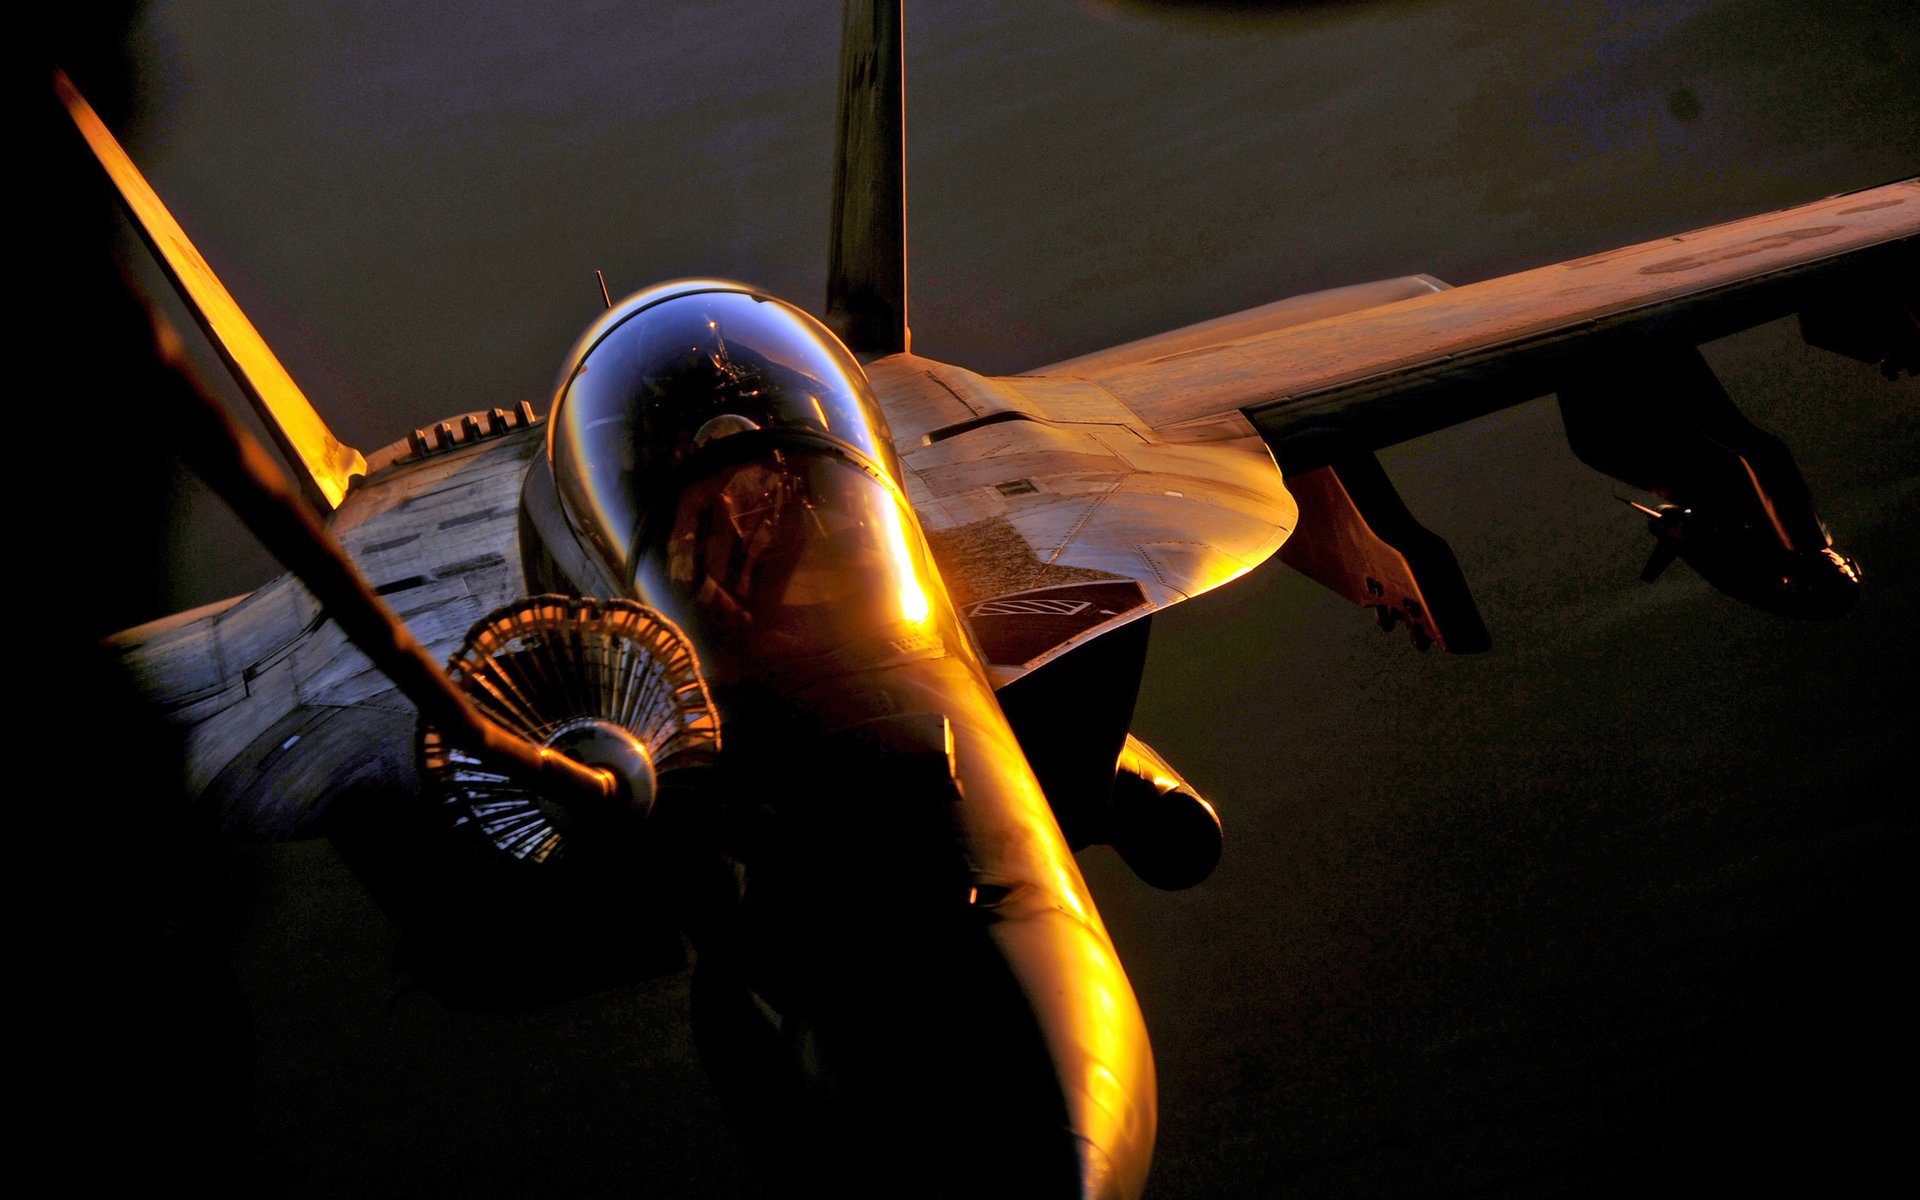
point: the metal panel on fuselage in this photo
(251, 679)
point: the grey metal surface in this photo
(256, 678)
(1026, 484)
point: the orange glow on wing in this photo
(301, 434)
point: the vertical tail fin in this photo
(867, 260)
(325, 463)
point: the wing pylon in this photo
(1357, 538)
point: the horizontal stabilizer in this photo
(1357, 538)
(325, 464)
(1252, 322)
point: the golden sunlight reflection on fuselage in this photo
(785, 547)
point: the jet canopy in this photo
(672, 370)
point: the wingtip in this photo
(326, 465)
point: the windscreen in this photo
(782, 555)
(669, 375)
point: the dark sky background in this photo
(1624, 901)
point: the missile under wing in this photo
(1143, 463)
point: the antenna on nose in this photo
(606, 297)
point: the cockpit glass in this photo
(678, 372)
(788, 552)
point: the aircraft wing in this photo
(326, 466)
(1075, 498)
(1391, 372)
(434, 528)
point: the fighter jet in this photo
(744, 542)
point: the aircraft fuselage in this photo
(915, 992)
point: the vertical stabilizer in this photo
(324, 462)
(867, 260)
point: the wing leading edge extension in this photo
(1057, 514)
